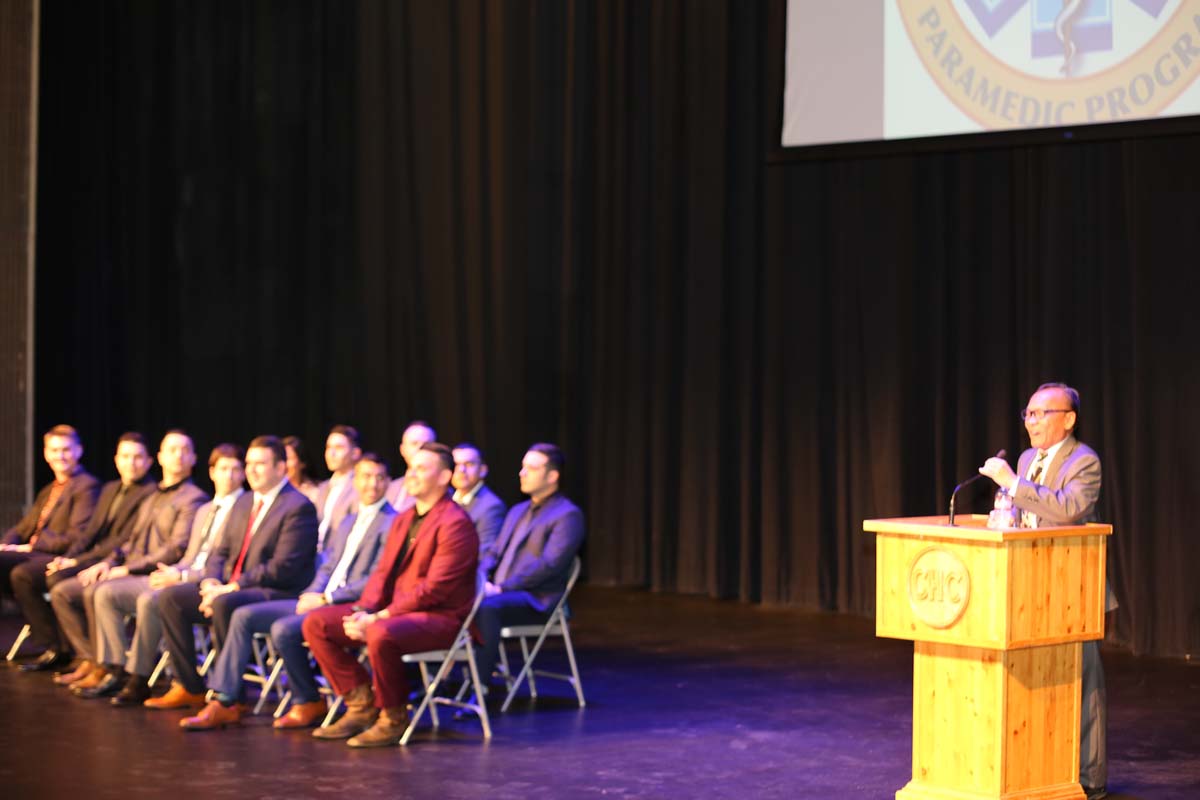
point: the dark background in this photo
(567, 220)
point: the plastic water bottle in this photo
(1002, 515)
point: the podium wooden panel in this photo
(997, 618)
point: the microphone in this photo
(1001, 453)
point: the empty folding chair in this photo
(556, 625)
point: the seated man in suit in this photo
(267, 551)
(111, 524)
(528, 567)
(417, 433)
(353, 551)
(335, 496)
(61, 510)
(160, 533)
(416, 599)
(115, 598)
(482, 505)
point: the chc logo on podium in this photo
(1033, 63)
(939, 587)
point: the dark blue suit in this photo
(279, 563)
(545, 540)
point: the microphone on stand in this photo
(999, 454)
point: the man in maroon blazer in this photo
(416, 599)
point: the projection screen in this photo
(866, 70)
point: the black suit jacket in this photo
(102, 537)
(68, 521)
(283, 551)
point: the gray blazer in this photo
(1068, 493)
(198, 542)
(369, 550)
(1069, 490)
(486, 510)
(346, 502)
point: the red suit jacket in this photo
(437, 574)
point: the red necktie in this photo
(237, 568)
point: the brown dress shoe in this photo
(176, 697)
(92, 679)
(302, 715)
(213, 716)
(386, 731)
(80, 672)
(361, 714)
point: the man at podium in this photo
(1057, 482)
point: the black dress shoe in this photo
(110, 684)
(1095, 792)
(50, 659)
(135, 692)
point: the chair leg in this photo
(532, 673)
(480, 705)
(526, 668)
(575, 680)
(164, 661)
(16, 646)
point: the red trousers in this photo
(387, 641)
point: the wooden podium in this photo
(997, 618)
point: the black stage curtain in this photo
(562, 220)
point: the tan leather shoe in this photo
(361, 714)
(176, 697)
(70, 676)
(302, 715)
(214, 716)
(93, 678)
(386, 731)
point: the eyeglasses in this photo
(1038, 414)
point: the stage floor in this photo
(687, 698)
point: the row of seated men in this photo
(365, 563)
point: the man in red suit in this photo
(416, 599)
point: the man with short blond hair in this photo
(110, 525)
(60, 512)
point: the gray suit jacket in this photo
(199, 542)
(369, 550)
(346, 502)
(546, 546)
(486, 510)
(1068, 492)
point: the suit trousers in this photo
(387, 640)
(75, 611)
(112, 602)
(225, 676)
(10, 560)
(179, 610)
(29, 585)
(288, 635)
(1093, 745)
(497, 611)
